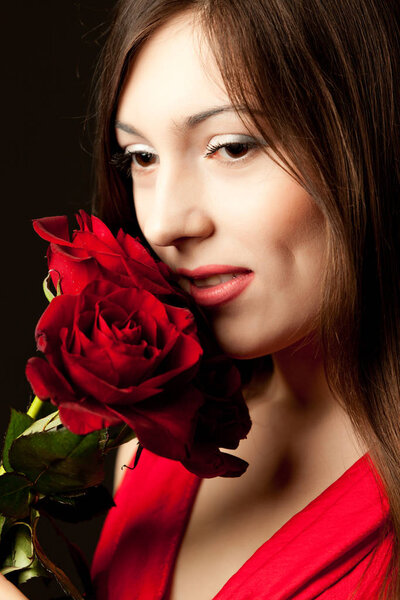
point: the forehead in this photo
(173, 73)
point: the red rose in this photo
(120, 355)
(94, 253)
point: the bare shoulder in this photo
(125, 454)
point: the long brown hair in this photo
(324, 75)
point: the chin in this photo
(246, 348)
(242, 349)
(248, 338)
(245, 355)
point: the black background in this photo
(50, 48)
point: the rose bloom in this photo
(120, 355)
(94, 252)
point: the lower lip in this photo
(223, 292)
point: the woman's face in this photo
(200, 205)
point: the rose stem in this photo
(34, 408)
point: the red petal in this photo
(45, 381)
(82, 418)
(53, 229)
(165, 424)
(84, 220)
(211, 462)
(105, 235)
(60, 311)
(75, 272)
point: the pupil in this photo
(236, 149)
(144, 157)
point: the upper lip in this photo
(210, 270)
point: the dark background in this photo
(50, 48)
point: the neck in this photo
(295, 413)
(299, 378)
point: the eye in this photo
(132, 161)
(234, 148)
(141, 159)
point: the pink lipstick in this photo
(214, 285)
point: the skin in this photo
(9, 591)
(196, 210)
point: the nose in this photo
(177, 211)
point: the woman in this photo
(258, 141)
(299, 187)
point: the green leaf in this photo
(35, 569)
(17, 548)
(19, 422)
(14, 495)
(58, 461)
(74, 508)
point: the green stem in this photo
(33, 412)
(34, 408)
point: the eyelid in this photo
(252, 144)
(139, 148)
(235, 138)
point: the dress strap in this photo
(142, 533)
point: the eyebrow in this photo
(190, 122)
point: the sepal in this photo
(113, 437)
(46, 285)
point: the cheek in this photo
(294, 234)
(286, 245)
(286, 214)
(278, 223)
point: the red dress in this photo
(321, 552)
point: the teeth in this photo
(214, 280)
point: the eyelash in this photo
(123, 160)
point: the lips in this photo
(213, 280)
(213, 285)
(209, 270)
